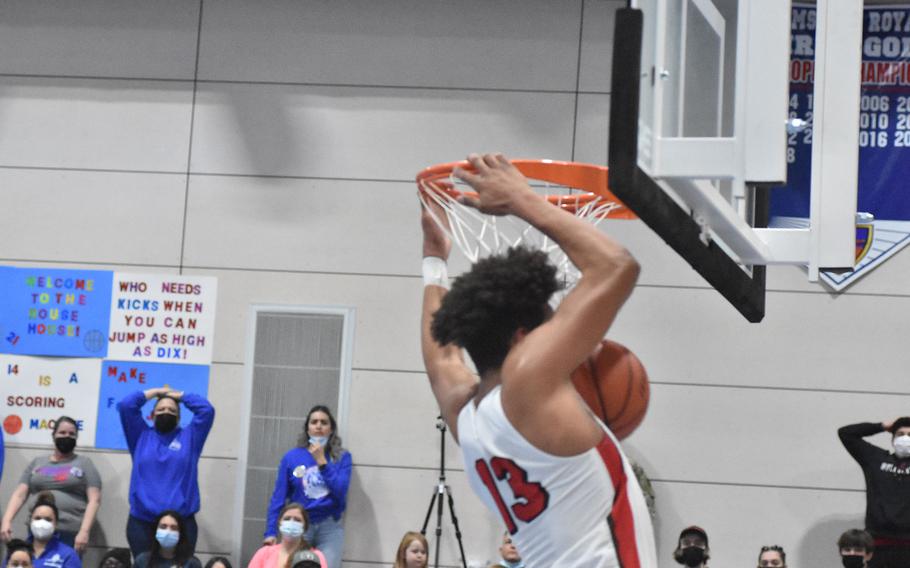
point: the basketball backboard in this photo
(698, 134)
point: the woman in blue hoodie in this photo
(165, 461)
(315, 474)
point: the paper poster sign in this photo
(162, 318)
(120, 378)
(55, 312)
(884, 137)
(36, 391)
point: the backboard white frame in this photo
(755, 153)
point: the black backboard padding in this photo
(644, 196)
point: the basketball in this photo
(614, 384)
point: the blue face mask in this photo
(167, 538)
(291, 529)
(511, 564)
(321, 440)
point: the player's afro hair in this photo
(488, 304)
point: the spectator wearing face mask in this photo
(293, 522)
(692, 548)
(509, 557)
(887, 488)
(170, 544)
(165, 462)
(856, 548)
(316, 474)
(70, 477)
(50, 552)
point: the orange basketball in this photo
(614, 384)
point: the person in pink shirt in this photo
(292, 523)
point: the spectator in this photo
(412, 551)
(887, 487)
(856, 548)
(293, 523)
(70, 477)
(772, 557)
(165, 463)
(218, 562)
(50, 552)
(692, 549)
(509, 557)
(315, 474)
(116, 558)
(19, 554)
(170, 544)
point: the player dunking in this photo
(533, 451)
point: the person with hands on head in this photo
(73, 480)
(316, 474)
(165, 456)
(533, 451)
(887, 476)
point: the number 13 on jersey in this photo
(529, 499)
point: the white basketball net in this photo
(478, 235)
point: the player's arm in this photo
(545, 358)
(451, 380)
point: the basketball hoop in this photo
(579, 189)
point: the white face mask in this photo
(902, 446)
(41, 529)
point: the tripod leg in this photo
(426, 520)
(439, 505)
(464, 563)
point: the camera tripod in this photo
(440, 490)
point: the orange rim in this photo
(589, 178)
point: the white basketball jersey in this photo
(581, 511)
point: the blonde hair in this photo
(406, 541)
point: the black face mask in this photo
(65, 445)
(692, 556)
(165, 423)
(853, 561)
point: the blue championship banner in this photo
(884, 137)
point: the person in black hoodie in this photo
(887, 488)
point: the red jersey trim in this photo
(621, 519)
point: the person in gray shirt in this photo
(72, 479)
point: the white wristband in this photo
(435, 272)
